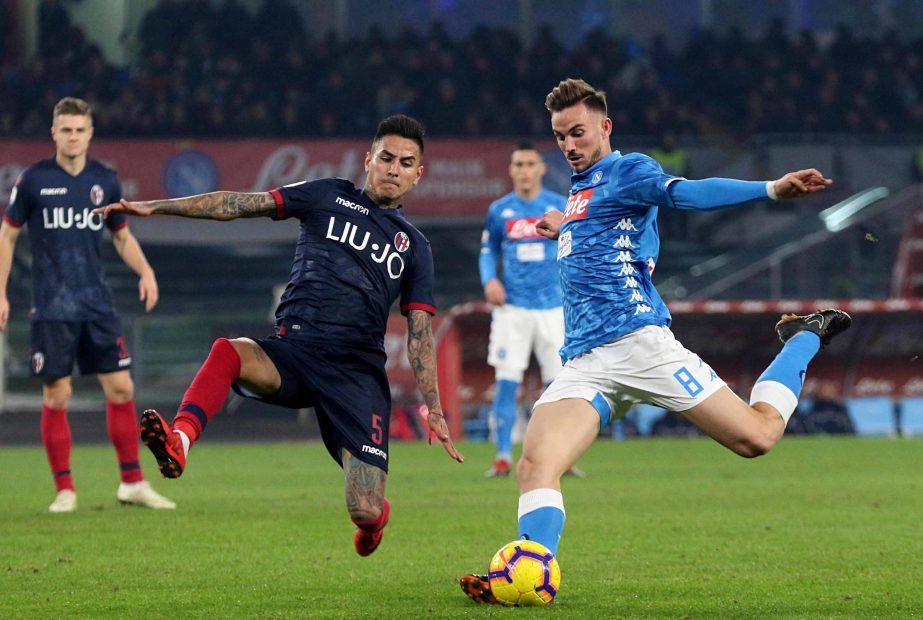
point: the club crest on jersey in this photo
(38, 362)
(577, 205)
(97, 195)
(597, 177)
(523, 228)
(401, 242)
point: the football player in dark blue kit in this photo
(72, 315)
(355, 256)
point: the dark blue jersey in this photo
(67, 273)
(353, 260)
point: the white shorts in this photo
(647, 366)
(516, 332)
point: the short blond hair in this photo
(74, 107)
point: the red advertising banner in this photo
(461, 177)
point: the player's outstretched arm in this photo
(421, 352)
(550, 224)
(799, 183)
(211, 206)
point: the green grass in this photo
(820, 528)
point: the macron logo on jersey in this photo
(522, 228)
(577, 205)
(52, 191)
(349, 204)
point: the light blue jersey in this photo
(607, 248)
(529, 268)
(608, 244)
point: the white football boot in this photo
(64, 501)
(141, 494)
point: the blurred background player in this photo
(618, 345)
(355, 256)
(73, 319)
(526, 297)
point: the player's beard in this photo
(590, 161)
(384, 202)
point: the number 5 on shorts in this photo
(376, 428)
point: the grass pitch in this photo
(820, 528)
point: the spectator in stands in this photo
(711, 84)
(672, 158)
(829, 414)
(918, 164)
(54, 29)
(6, 34)
(161, 29)
(72, 318)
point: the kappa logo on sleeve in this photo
(577, 205)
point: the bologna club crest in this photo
(401, 242)
(38, 362)
(96, 195)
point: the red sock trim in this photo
(122, 426)
(56, 437)
(377, 524)
(209, 389)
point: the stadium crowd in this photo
(204, 69)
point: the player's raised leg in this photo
(365, 501)
(752, 430)
(240, 361)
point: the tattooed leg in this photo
(365, 488)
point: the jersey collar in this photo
(595, 174)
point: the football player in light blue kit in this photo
(527, 310)
(618, 347)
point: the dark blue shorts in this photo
(348, 389)
(97, 346)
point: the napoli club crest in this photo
(96, 195)
(401, 242)
(38, 362)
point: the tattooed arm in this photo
(421, 352)
(212, 206)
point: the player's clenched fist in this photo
(550, 224)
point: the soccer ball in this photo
(524, 573)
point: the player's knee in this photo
(754, 445)
(223, 346)
(121, 393)
(533, 473)
(56, 395)
(57, 401)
